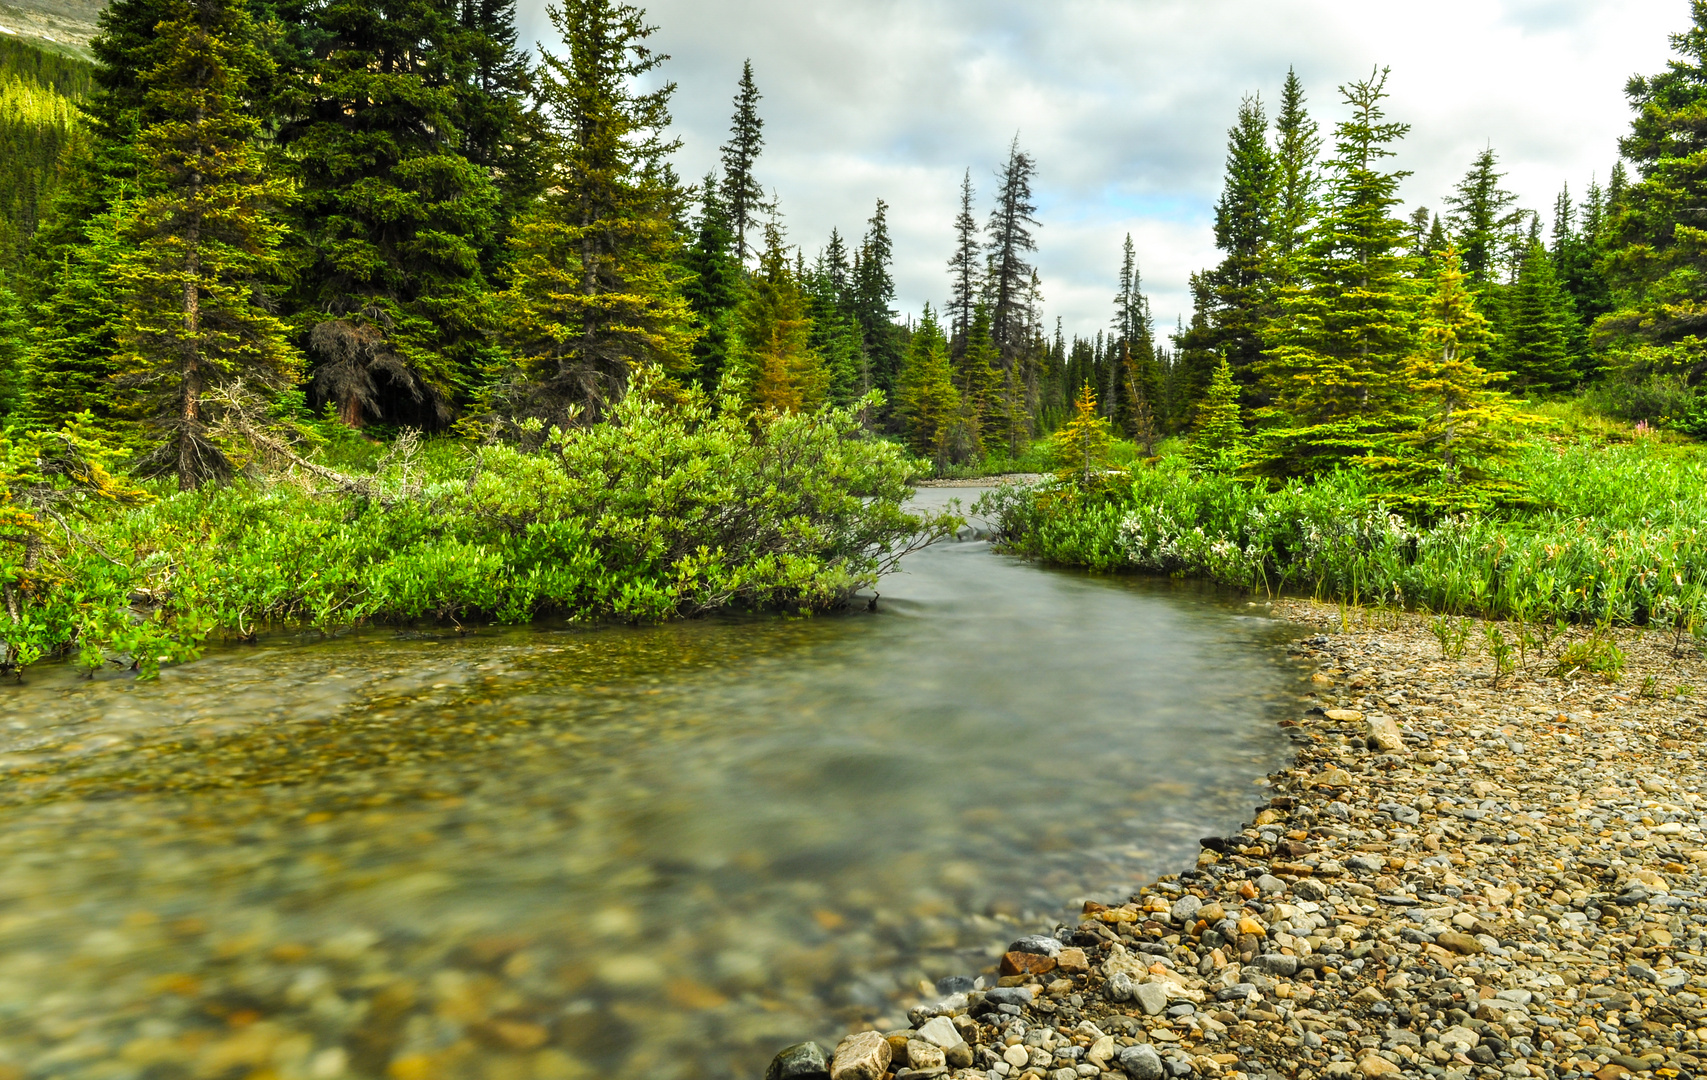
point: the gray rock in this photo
(941, 1031)
(1186, 907)
(1141, 1062)
(1120, 986)
(1310, 889)
(1009, 995)
(1277, 964)
(1400, 812)
(802, 1061)
(955, 984)
(1367, 864)
(1237, 992)
(1270, 884)
(1040, 944)
(1151, 997)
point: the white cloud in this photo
(1125, 104)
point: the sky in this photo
(1125, 105)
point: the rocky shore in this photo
(1461, 877)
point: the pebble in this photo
(1419, 895)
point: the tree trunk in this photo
(189, 433)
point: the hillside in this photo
(60, 25)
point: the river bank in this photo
(1454, 879)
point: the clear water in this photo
(636, 852)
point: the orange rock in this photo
(1024, 963)
(1073, 962)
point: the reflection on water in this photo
(655, 852)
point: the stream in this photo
(575, 852)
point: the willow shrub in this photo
(673, 507)
(1608, 534)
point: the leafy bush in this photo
(671, 508)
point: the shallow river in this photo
(569, 852)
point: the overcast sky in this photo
(1125, 104)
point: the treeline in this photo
(390, 214)
(38, 120)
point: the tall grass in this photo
(1613, 535)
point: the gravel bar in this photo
(1456, 879)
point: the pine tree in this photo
(502, 132)
(1218, 438)
(713, 287)
(1463, 423)
(1081, 446)
(978, 381)
(594, 292)
(14, 342)
(1194, 352)
(1010, 241)
(1578, 245)
(393, 217)
(742, 193)
(71, 364)
(1241, 285)
(925, 396)
(1482, 219)
(781, 370)
(206, 242)
(836, 333)
(964, 269)
(1543, 324)
(1339, 343)
(1657, 257)
(1297, 146)
(874, 297)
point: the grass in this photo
(1612, 532)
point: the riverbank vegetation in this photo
(1444, 412)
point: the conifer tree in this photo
(206, 241)
(502, 130)
(925, 395)
(594, 293)
(1244, 224)
(1194, 352)
(978, 381)
(964, 269)
(1335, 369)
(1080, 447)
(1463, 423)
(1542, 324)
(713, 287)
(780, 369)
(1657, 257)
(13, 344)
(1009, 243)
(72, 361)
(394, 217)
(1482, 218)
(874, 297)
(1218, 438)
(836, 333)
(1297, 147)
(743, 195)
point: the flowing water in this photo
(614, 852)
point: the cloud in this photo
(1125, 104)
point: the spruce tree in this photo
(1657, 248)
(1080, 447)
(1482, 218)
(14, 342)
(1244, 225)
(502, 130)
(780, 369)
(1009, 243)
(713, 286)
(743, 195)
(76, 314)
(1463, 423)
(836, 333)
(594, 292)
(1542, 324)
(394, 218)
(925, 397)
(978, 380)
(1218, 438)
(206, 242)
(1194, 352)
(1338, 344)
(874, 297)
(1297, 145)
(964, 269)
